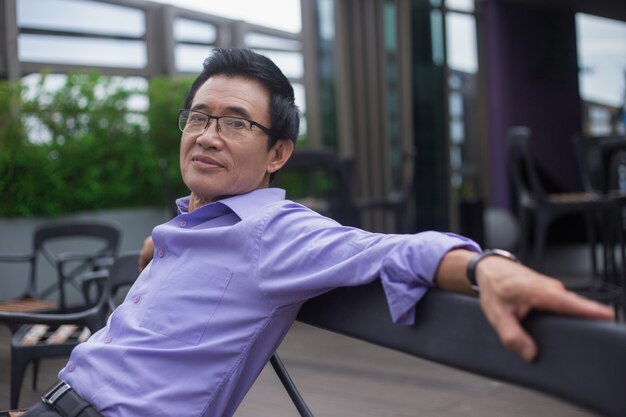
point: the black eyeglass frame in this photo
(217, 121)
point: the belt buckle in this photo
(55, 392)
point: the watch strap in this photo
(473, 263)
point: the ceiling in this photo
(614, 9)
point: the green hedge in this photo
(97, 154)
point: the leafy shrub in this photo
(167, 96)
(96, 153)
(80, 148)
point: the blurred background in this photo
(413, 98)
(417, 95)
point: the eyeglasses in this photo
(229, 127)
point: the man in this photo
(230, 272)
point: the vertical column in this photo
(404, 90)
(432, 183)
(362, 103)
(310, 36)
(159, 38)
(238, 31)
(9, 59)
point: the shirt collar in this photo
(243, 205)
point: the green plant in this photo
(167, 96)
(93, 152)
(80, 148)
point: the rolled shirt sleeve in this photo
(302, 255)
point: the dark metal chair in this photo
(98, 242)
(537, 210)
(47, 335)
(602, 160)
(320, 180)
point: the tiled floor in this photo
(340, 376)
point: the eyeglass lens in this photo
(229, 127)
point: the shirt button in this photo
(183, 223)
(161, 253)
(71, 367)
(108, 340)
(136, 299)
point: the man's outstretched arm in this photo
(509, 291)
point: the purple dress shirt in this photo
(225, 285)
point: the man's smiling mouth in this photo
(206, 161)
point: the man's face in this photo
(214, 167)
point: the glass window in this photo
(260, 40)
(81, 16)
(460, 5)
(461, 42)
(194, 31)
(325, 9)
(455, 104)
(436, 24)
(279, 14)
(87, 51)
(189, 58)
(602, 58)
(290, 63)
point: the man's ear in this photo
(279, 154)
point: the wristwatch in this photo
(473, 263)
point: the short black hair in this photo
(241, 62)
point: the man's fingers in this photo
(556, 300)
(513, 336)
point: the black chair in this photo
(98, 242)
(537, 210)
(602, 160)
(320, 180)
(397, 202)
(122, 277)
(47, 335)
(599, 158)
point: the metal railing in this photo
(158, 38)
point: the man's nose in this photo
(210, 137)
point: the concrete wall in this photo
(16, 237)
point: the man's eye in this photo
(235, 123)
(197, 118)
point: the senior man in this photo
(230, 272)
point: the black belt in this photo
(67, 402)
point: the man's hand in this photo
(146, 253)
(510, 291)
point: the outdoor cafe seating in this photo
(54, 267)
(538, 209)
